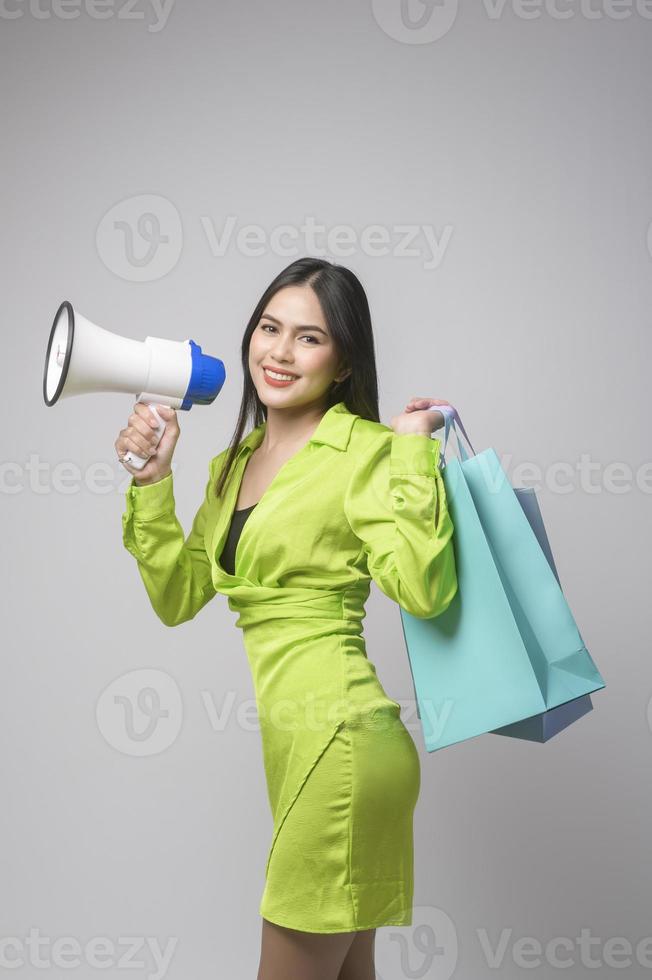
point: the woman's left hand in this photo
(418, 417)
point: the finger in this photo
(428, 402)
(144, 412)
(148, 433)
(133, 446)
(145, 444)
(166, 412)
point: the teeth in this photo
(279, 377)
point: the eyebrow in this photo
(268, 316)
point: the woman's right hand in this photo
(139, 437)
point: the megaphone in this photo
(83, 358)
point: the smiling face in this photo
(292, 338)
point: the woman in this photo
(297, 518)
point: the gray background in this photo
(524, 133)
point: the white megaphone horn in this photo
(82, 358)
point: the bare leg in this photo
(289, 954)
(359, 961)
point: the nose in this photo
(281, 350)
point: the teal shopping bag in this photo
(542, 727)
(507, 649)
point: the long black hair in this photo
(346, 311)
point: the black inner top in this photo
(227, 558)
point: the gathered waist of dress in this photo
(258, 604)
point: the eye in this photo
(271, 326)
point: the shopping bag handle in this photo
(450, 417)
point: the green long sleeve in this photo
(176, 572)
(396, 505)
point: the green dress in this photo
(342, 771)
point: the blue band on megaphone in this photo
(206, 378)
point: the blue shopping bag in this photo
(541, 728)
(506, 656)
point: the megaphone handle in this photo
(139, 461)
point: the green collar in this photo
(334, 430)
